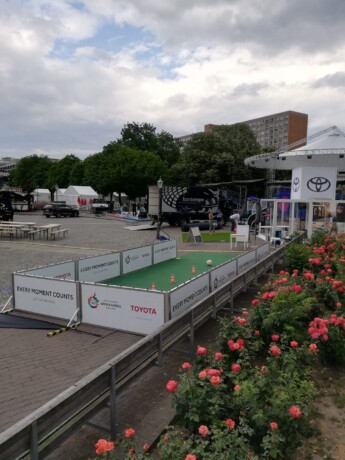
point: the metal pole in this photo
(159, 214)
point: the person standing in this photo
(234, 218)
(210, 222)
(219, 217)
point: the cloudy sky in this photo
(74, 72)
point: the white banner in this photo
(134, 259)
(222, 274)
(164, 251)
(262, 251)
(99, 268)
(187, 295)
(245, 262)
(128, 310)
(313, 183)
(61, 271)
(45, 296)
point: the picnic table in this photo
(11, 222)
(11, 230)
(48, 229)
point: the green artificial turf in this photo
(181, 268)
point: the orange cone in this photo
(193, 270)
(153, 287)
(172, 279)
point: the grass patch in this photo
(218, 237)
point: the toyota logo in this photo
(318, 184)
(296, 184)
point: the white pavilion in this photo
(316, 168)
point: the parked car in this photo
(60, 210)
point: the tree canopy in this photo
(123, 169)
(141, 155)
(64, 170)
(217, 156)
(31, 173)
(143, 137)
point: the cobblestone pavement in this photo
(36, 368)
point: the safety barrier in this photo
(36, 435)
(53, 290)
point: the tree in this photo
(30, 173)
(143, 168)
(63, 170)
(216, 156)
(123, 169)
(144, 137)
(98, 173)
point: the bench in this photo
(63, 232)
(25, 231)
(32, 233)
(10, 232)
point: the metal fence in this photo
(39, 433)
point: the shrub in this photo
(254, 397)
(296, 256)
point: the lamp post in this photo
(160, 186)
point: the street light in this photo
(160, 186)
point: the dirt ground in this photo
(329, 440)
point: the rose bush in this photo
(252, 396)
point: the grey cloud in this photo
(310, 26)
(336, 80)
(248, 89)
(80, 104)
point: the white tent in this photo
(81, 196)
(41, 195)
(58, 195)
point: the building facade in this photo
(278, 130)
(7, 164)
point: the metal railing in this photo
(39, 433)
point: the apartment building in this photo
(278, 130)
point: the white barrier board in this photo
(125, 309)
(45, 296)
(164, 251)
(222, 275)
(62, 271)
(135, 259)
(99, 268)
(187, 295)
(245, 262)
(262, 251)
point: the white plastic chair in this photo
(242, 235)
